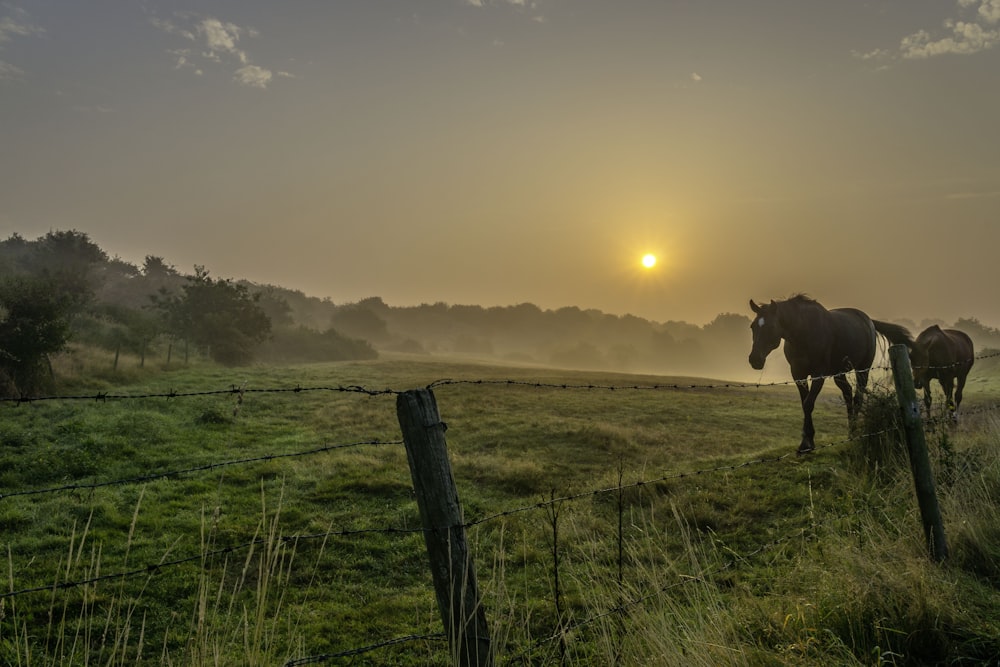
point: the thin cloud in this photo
(221, 38)
(695, 77)
(254, 76)
(171, 28)
(16, 24)
(974, 195)
(10, 72)
(874, 54)
(97, 109)
(183, 60)
(216, 42)
(522, 4)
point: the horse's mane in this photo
(807, 310)
(801, 299)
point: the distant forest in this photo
(62, 288)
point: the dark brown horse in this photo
(820, 343)
(945, 354)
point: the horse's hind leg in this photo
(849, 399)
(958, 390)
(948, 384)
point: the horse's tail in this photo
(896, 333)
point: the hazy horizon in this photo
(497, 152)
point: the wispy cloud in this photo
(521, 4)
(10, 72)
(16, 23)
(251, 75)
(974, 28)
(97, 109)
(993, 194)
(215, 42)
(222, 38)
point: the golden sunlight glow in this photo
(649, 261)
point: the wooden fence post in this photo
(444, 533)
(923, 477)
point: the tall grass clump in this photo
(877, 452)
(237, 614)
(675, 610)
(869, 587)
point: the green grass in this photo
(790, 560)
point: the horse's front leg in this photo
(808, 393)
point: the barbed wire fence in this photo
(202, 556)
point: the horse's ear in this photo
(754, 307)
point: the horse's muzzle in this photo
(756, 362)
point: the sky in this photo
(497, 152)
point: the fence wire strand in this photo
(194, 469)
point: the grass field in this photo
(275, 527)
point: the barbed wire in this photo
(965, 412)
(641, 387)
(360, 389)
(152, 568)
(668, 385)
(364, 649)
(201, 468)
(960, 362)
(106, 396)
(149, 570)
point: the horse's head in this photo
(767, 333)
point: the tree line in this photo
(63, 288)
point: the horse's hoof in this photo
(805, 448)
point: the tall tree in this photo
(34, 323)
(219, 316)
(43, 285)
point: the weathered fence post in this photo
(923, 477)
(444, 533)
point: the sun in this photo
(649, 261)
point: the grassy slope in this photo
(792, 560)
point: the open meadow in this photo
(265, 516)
